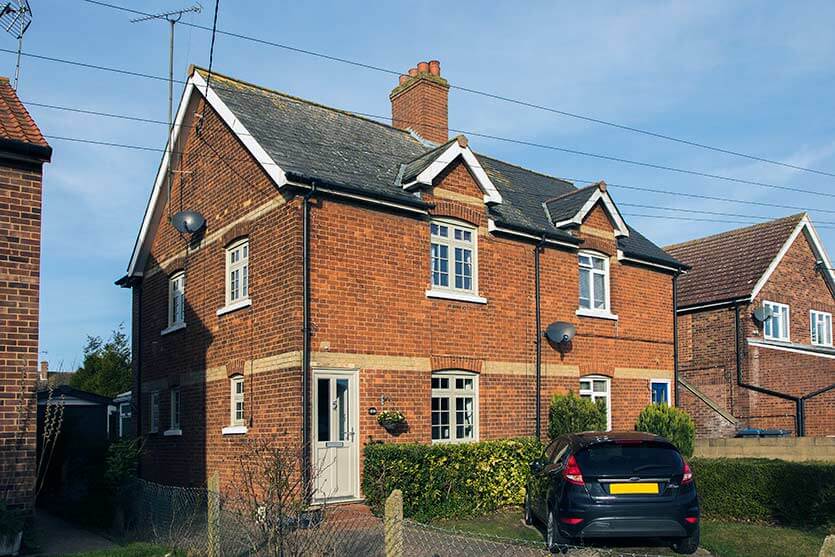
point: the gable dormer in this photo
(590, 208)
(451, 167)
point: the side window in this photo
(176, 300)
(153, 414)
(237, 272)
(660, 391)
(776, 327)
(237, 401)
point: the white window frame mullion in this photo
(451, 243)
(824, 319)
(594, 396)
(450, 394)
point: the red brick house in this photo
(755, 330)
(23, 151)
(349, 267)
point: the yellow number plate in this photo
(646, 488)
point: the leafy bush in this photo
(11, 522)
(571, 414)
(450, 480)
(668, 421)
(792, 493)
(121, 462)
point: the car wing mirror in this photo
(537, 466)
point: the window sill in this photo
(172, 433)
(597, 314)
(235, 307)
(786, 340)
(457, 296)
(453, 441)
(172, 328)
(234, 430)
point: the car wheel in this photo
(528, 510)
(557, 543)
(688, 545)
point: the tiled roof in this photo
(341, 150)
(15, 122)
(727, 266)
(567, 205)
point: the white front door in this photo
(335, 434)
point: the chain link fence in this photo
(194, 521)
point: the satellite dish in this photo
(762, 314)
(188, 222)
(560, 332)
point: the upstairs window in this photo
(454, 407)
(594, 282)
(776, 327)
(821, 327)
(176, 300)
(237, 272)
(453, 256)
(237, 399)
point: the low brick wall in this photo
(784, 448)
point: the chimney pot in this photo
(44, 371)
(420, 104)
(602, 185)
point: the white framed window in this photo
(598, 387)
(821, 327)
(660, 391)
(453, 256)
(454, 407)
(153, 412)
(124, 418)
(776, 327)
(594, 299)
(176, 300)
(237, 272)
(237, 398)
(174, 422)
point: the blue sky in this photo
(755, 77)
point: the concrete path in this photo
(55, 536)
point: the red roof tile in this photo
(727, 266)
(15, 122)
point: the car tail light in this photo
(687, 477)
(691, 519)
(571, 520)
(572, 473)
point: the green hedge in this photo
(446, 480)
(791, 493)
(569, 413)
(670, 422)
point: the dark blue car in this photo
(613, 485)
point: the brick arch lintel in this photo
(238, 231)
(466, 213)
(174, 266)
(462, 363)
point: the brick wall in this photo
(20, 249)
(708, 358)
(369, 275)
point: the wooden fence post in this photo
(213, 514)
(393, 524)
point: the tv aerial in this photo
(15, 17)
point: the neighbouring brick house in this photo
(421, 294)
(23, 151)
(755, 330)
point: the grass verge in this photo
(722, 539)
(130, 550)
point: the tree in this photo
(106, 369)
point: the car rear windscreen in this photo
(627, 459)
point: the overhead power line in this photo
(575, 180)
(490, 95)
(478, 134)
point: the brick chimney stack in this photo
(43, 374)
(419, 102)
